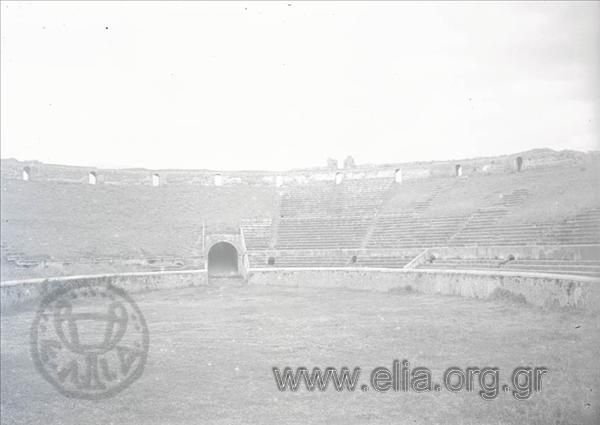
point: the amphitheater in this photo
(486, 243)
(537, 212)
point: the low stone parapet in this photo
(23, 291)
(540, 289)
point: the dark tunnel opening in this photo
(222, 259)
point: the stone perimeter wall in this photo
(534, 159)
(543, 290)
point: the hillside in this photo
(69, 221)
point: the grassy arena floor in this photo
(212, 350)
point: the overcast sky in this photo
(247, 85)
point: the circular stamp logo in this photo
(90, 341)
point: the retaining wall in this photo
(544, 290)
(23, 291)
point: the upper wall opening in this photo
(338, 177)
(519, 163)
(398, 175)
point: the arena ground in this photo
(212, 350)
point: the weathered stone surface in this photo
(544, 290)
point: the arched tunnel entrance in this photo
(223, 260)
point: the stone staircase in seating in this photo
(582, 229)
(327, 216)
(257, 233)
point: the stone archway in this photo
(223, 260)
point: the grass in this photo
(555, 194)
(212, 350)
(71, 221)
